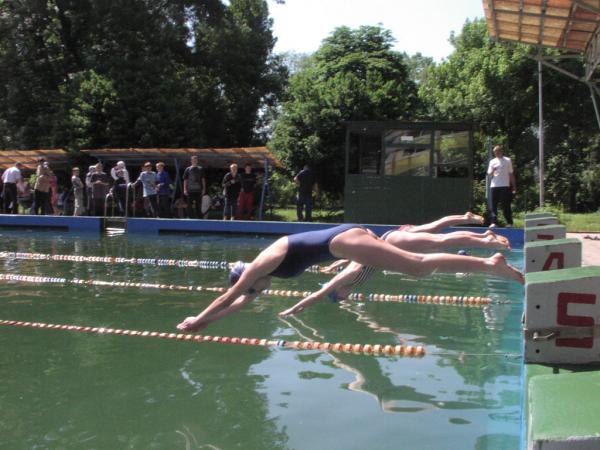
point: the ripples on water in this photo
(69, 390)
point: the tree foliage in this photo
(354, 75)
(79, 73)
(495, 86)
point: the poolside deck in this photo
(591, 247)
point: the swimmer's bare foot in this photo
(502, 269)
(473, 218)
(496, 241)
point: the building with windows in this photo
(407, 172)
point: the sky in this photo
(418, 26)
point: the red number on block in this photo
(559, 257)
(563, 318)
(545, 237)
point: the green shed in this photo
(407, 172)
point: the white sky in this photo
(418, 26)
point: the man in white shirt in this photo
(10, 178)
(503, 185)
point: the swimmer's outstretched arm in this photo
(191, 323)
(221, 306)
(341, 280)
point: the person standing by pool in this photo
(232, 183)
(164, 190)
(124, 172)
(100, 183)
(289, 256)
(149, 180)
(304, 202)
(10, 178)
(78, 193)
(246, 198)
(41, 189)
(194, 187)
(502, 186)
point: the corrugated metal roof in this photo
(57, 158)
(565, 24)
(210, 157)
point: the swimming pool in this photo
(71, 390)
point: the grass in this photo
(318, 215)
(588, 222)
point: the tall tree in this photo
(355, 75)
(494, 86)
(134, 72)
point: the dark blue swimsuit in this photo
(308, 248)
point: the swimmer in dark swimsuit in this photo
(291, 255)
(411, 238)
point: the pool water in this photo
(70, 390)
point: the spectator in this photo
(24, 194)
(164, 190)
(246, 199)
(124, 172)
(149, 179)
(88, 187)
(53, 194)
(41, 189)
(503, 186)
(305, 181)
(78, 193)
(232, 183)
(10, 178)
(180, 207)
(119, 191)
(100, 183)
(194, 187)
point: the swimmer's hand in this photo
(293, 310)
(191, 324)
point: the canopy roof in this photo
(572, 25)
(57, 158)
(219, 158)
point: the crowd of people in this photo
(152, 194)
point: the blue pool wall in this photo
(156, 226)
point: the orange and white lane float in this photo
(452, 300)
(366, 349)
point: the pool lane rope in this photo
(451, 300)
(417, 351)
(196, 263)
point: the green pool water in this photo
(67, 390)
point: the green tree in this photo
(355, 75)
(494, 86)
(135, 72)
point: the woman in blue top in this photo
(289, 256)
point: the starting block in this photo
(538, 215)
(545, 233)
(562, 315)
(552, 255)
(563, 411)
(540, 222)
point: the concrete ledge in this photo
(136, 225)
(563, 411)
(64, 223)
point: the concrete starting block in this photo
(540, 222)
(563, 411)
(562, 315)
(538, 215)
(552, 255)
(545, 233)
